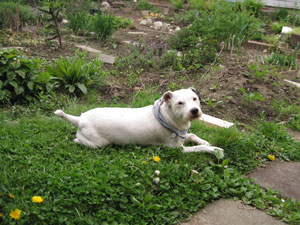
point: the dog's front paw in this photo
(219, 153)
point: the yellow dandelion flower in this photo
(1, 215)
(11, 196)
(281, 149)
(271, 157)
(156, 159)
(15, 214)
(176, 161)
(37, 199)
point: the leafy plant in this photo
(80, 22)
(285, 60)
(186, 18)
(203, 5)
(52, 9)
(20, 78)
(253, 7)
(184, 39)
(178, 4)
(103, 26)
(14, 15)
(144, 5)
(224, 22)
(70, 74)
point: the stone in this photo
(280, 176)
(177, 29)
(149, 22)
(103, 57)
(143, 22)
(213, 121)
(286, 30)
(105, 6)
(136, 33)
(230, 212)
(157, 25)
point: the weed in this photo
(178, 4)
(203, 5)
(187, 17)
(79, 22)
(103, 26)
(251, 98)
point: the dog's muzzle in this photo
(195, 113)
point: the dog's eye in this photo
(180, 103)
(195, 99)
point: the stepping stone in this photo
(103, 57)
(137, 33)
(230, 212)
(89, 49)
(280, 176)
(213, 121)
(293, 83)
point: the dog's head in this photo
(183, 104)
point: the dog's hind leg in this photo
(72, 119)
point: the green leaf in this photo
(21, 73)
(30, 85)
(71, 88)
(19, 90)
(154, 206)
(11, 75)
(148, 197)
(82, 88)
(14, 84)
(1, 84)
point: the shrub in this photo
(14, 15)
(178, 4)
(280, 14)
(20, 78)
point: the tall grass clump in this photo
(80, 22)
(225, 24)
(14, 15)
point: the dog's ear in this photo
(166, 96)
(196, 92)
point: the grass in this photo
(114, 185)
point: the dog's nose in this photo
(195, 112)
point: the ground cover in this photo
(117, 184)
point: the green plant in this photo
(280, 14)
(103, 26)
(203, 4)
(277, 26)
(80, 22)
(251, 98)
(20, 78)
(144, 5)
(186, 18)
(271, 39)
(178, 4)
(70, 73)
(53, 9)
(14, 15)
(253, 7)
(294, 121)
(224, 22)
(285, 60)
(184, 39)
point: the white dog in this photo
(164, 123)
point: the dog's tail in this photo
(72, 119)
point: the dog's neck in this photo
(170, 118)
(166, 119)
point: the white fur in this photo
(103, 126)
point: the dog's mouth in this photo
(197, 116)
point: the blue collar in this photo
(161, 119)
